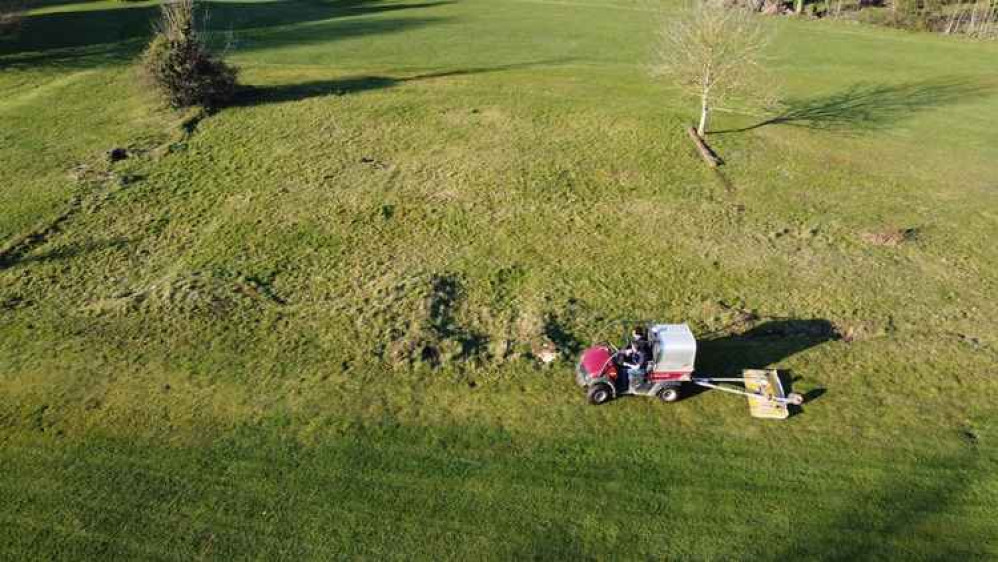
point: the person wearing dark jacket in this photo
(635, 356)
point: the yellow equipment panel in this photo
(765, 385)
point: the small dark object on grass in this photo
(117, 154)
(128, 179)
(373, 162)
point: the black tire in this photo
(669, 394)
(599, 393)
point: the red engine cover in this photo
(596, 361)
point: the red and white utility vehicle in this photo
(670, 369)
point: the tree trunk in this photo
(954, 21)
(705, 85)
(702, 127)
(799, 7)
(704, 106)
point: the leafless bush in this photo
(178, 63)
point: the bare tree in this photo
(979, 20)
(712, 51)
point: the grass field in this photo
(299, 327)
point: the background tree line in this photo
(973, 18)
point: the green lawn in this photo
(298, 328)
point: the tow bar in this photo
(763, 388)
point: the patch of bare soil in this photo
(890, 238)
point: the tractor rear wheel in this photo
(599, 393)
(669, 394)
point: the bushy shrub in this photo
(11, 13)
(179, 64)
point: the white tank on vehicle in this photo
(673, 347)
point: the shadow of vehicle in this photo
(762, 346)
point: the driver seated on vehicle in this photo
(635, 356)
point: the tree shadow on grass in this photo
(866, 107)
(893, 520)
(112, 36)
(262, 95)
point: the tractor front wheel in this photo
(669, 394)
(599, 393)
